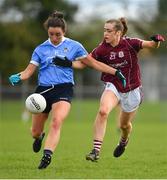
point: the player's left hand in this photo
(121, 77)
(157, 38)
(62, 61)
(14, 79)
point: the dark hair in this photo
(120, 25)
(56, 19)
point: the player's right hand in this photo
(14, 79)
(121, 77)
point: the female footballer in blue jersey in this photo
(55, 83)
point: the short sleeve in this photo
(35, 59)
(94, 53)
(135, 43)
(81, 52)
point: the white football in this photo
(35, 103)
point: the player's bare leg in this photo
(38, 122)
(126, 128)
(60, 111)
(107, 103)
(118, 113)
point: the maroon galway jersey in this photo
(123, 57)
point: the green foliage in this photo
(90, 34)
(144, 157)
(16, 43)
(39, 9)
(61, 5)
(157, 26)
(162, 9)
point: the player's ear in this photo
(119, 33)
(48, 34)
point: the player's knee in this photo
(125, 126)
(103, 112)
(56, 123)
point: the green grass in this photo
(145, 157)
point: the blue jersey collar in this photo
(63, 39)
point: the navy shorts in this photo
(55, 93)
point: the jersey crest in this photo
(65, 50)
(121, 54)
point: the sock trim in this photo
(47, 151)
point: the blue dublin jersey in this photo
(50, 74)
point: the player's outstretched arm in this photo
(16, 78)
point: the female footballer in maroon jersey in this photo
(120, 52)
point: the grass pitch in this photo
(145, 157)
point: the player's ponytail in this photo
(57, 14)
(124, 23)
(56, 19)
